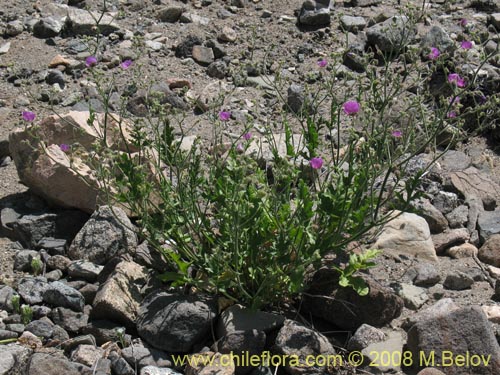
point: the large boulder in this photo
(51, 157)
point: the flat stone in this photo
(351, 23)
(61, 295)
(450, 238)
(87, 354)
(81, 269)
(70, 320)
(489, 224)
(472, 182)
(393, 345)
(203, 55)
(458, 281)
(413, 296)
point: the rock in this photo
(466, 250)
(32, 289)
(6, 295)
(175, 322)
(407, 234)
(170, 13)
(47, 28)
(4, 48)
(119, 366)
(393, 345)
(118, 299)
(41, 328)
(315, 13)
(436, 220)
(48, 170)
(494, 19)
(251, 341)
(24, 258)
(14, 359)
(81, 269)
(345, 308)
(437, 37)
(413, 296)
(14, 28)
(104, 330)
(203, 55)
(15, 327)
(7, 335)
(87, 354)
(458, 281)
(55, 76)
(82, 22)
(489, 224)
(426, 275)
(490, 251)
(30, 229)
(152, 370)
(430, 371)
(68, 319)
(237, 318)
(143, 357)
(61, 295)
(294, 339)
(154, 45)
(107, 234)
(89, 292)
(353, 24)
(492, 313)
(365, 336)
(209, 363)
(194, 18)
(50, 364)
(449, 238)
(185, 48)
(297, 100)
(261, 149)
(392, 35)
(59, 262)
(364, 3)
(227, 35)
(445, 201)
(218, 69)
(460, 331)
(458, 217)
(472, 182)
(53, 246)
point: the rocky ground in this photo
(435, 288)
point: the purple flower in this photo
(64, 147)
(463, 22)
(28, 116)
(240, 148)
(397, 133)
(351, 107)
(451, 114)
(322, 63)
(466, 44)
(434, 53)
(247, 136)
(456, 79)
(126, 64)
(90, 61)
(316, 163)
(455, 100)
(224, 115)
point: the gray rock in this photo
(51, 364)
(203, 55)
(32, 289)
(142, 357)
(53, 246)
(58, 262)
(40, 311)
(436, 220)
(471, 182)
(104, 331)
(489, 253)
(14, 28)
(458, 217)
(89, 292)
(350, 23)
(55, 76)
(61, 295)
(449, 238)
(459, 331)
(315, 13)
(154, 45)
(6, 294)
(4, 48)
(14, 359)
(118, 299)
(175, 322)
(489, 224)
(218, 69)
(413, 296)
(237, 318)
(251, 341)
(6, 334)
(458, 281)
(426, 275)
(170, 13)
(494, 19)
(120, 366)
(185, 48)
(59, 334)
(23, 259)
(392, 35)
(297, 100)
(297, 340)
(152, 370)
(107, 234)
(87, 355)
(69, 320)
(439, 38)
(54, 275)
(47, 28)
(80, 269)
(364, 336)
(445, 201)
(392, 344)
(194, 18)
(345, 308)
(364, 3)
(82, 22)
(41, 328)
(15, 327)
